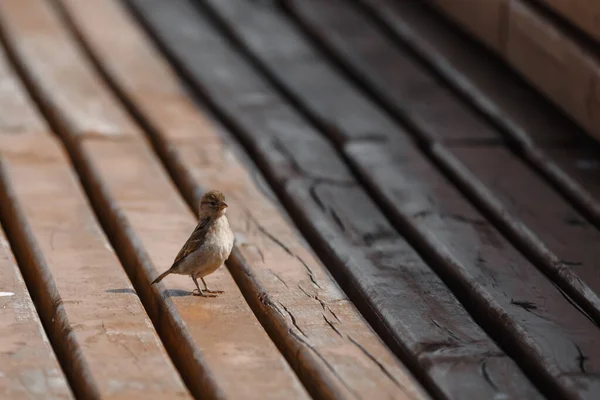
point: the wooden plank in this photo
(533, 316)
(418, 97)
(75, 253)
(121, 348)
(218, 346)
(557, 62)
(486, 20)
(271, 262)
(583, 165)
(368, 230)
(565, 233)
(28, 367)
(17, 113)
(465, 249)
(584, 14)
(488, 84)
(528, 120)
(285, 56)
(525, 238)
(306, 78)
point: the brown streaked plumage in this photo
(208, 246)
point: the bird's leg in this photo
(207, 290)
(200, 292)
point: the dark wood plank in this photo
(402, 86)
(555, 58)
(218, 346)
(522, 236)
(304, 75)
(487, 82)
(564, 231)
(252, 130)
(525, 117)
(316, 327)
(465, 248)
(583, 14)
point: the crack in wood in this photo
(294, 322)
(581, 358)
(526, 305)
(443, 328)
(486, 375)
(324, 360)
(332, 326)
(379, 364)
(278, 278)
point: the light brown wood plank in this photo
(323, 316)
(44, 183)
(223, 349)
(28, 367)
(116, 336)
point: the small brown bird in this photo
(208, 246)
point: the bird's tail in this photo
(161, 276)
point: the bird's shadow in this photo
(126, 290)
(167, 293)
(177, 293)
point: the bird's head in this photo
(213, 203)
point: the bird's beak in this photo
(224, 205)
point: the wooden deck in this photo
(413, 220)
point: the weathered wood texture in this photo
(465, 248)
(543, 137)
(332, 349)
(337, 107)
(219, 350)
(544, 255)
(64, 245)
(466, 264)
(119, 345)
(28, 367)
(332, 25)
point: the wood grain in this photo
(101, 312)
(376, 170)
(217, 345)
(523, 237)
(323, 337)
(29, 367)
(534, 128)
(122, 350)
(465, 248)
(378, 269)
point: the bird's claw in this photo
(213, 291)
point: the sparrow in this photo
(208, 246)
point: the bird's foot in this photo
(201, 293)
(213, 291)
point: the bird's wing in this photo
(194, 242)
